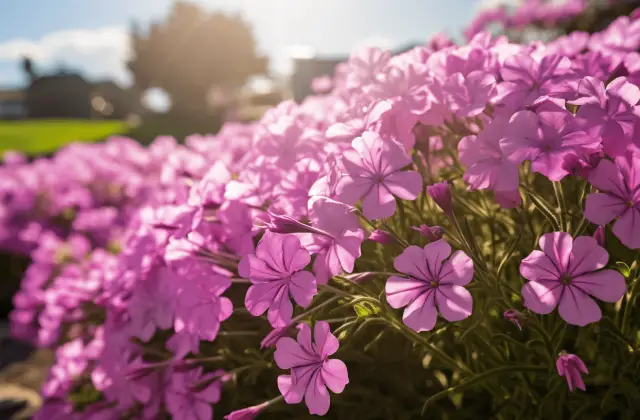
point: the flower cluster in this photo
(165, 276)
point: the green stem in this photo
(631, 296)
(480, 378)
(557, 189)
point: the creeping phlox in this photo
(417, 222)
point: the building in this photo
(61, 95)
(68, 95)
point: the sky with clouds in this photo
(92, 35)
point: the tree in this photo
(191, 52)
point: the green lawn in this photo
(44, 136)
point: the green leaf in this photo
(365, 309)
(623, 268)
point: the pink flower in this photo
(619, 197)
(322, 84)
(336, 240)
(609, 113)
(312, 372)
(276, 271)
(432, 281)
(487, 166)
(200, 306)
(190, 394)
(571, 367)
(374, 172)
(469, 95)
(565, 273)
(527, 79)
(545, 137)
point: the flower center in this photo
(434, 284)
(630, 204)
(379, 179)
(566, 279)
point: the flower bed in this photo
(452, 231)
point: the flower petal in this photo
(542, 296)
(435, 254)
(325, 342)
(295, 256)
(606, 285)
(412, 261)
(404, 184)
(335, 375)
(378, 203)
(627, 228)
(317, 397)
(457, 270)
(290, 354)
(302, 287)
(577, 308)
(454, 302)
(421, 314)
(402, 291)
(602, 208)
(557, 246)
(586, 256)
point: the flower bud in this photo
(432, 233)
(599, 235)
(382, 237)
(441, 194)
(513, 316)
(571, 367)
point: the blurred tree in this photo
(192, 52)
(27, 66)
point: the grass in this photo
(35, 137)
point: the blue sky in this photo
(91, 35)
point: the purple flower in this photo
(527, 79)
(431, 282)
(276, 272)
(487, 166)
(545, 137)
(441, 194)
(200, 306)
(190, 394)
(608, 114)
(619, 197)
(338, 246)
(374, 172)
(565, 274)
(572, 368)
(312, 372)
(469, 95)
(432, 233)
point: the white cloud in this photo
(98, 53)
